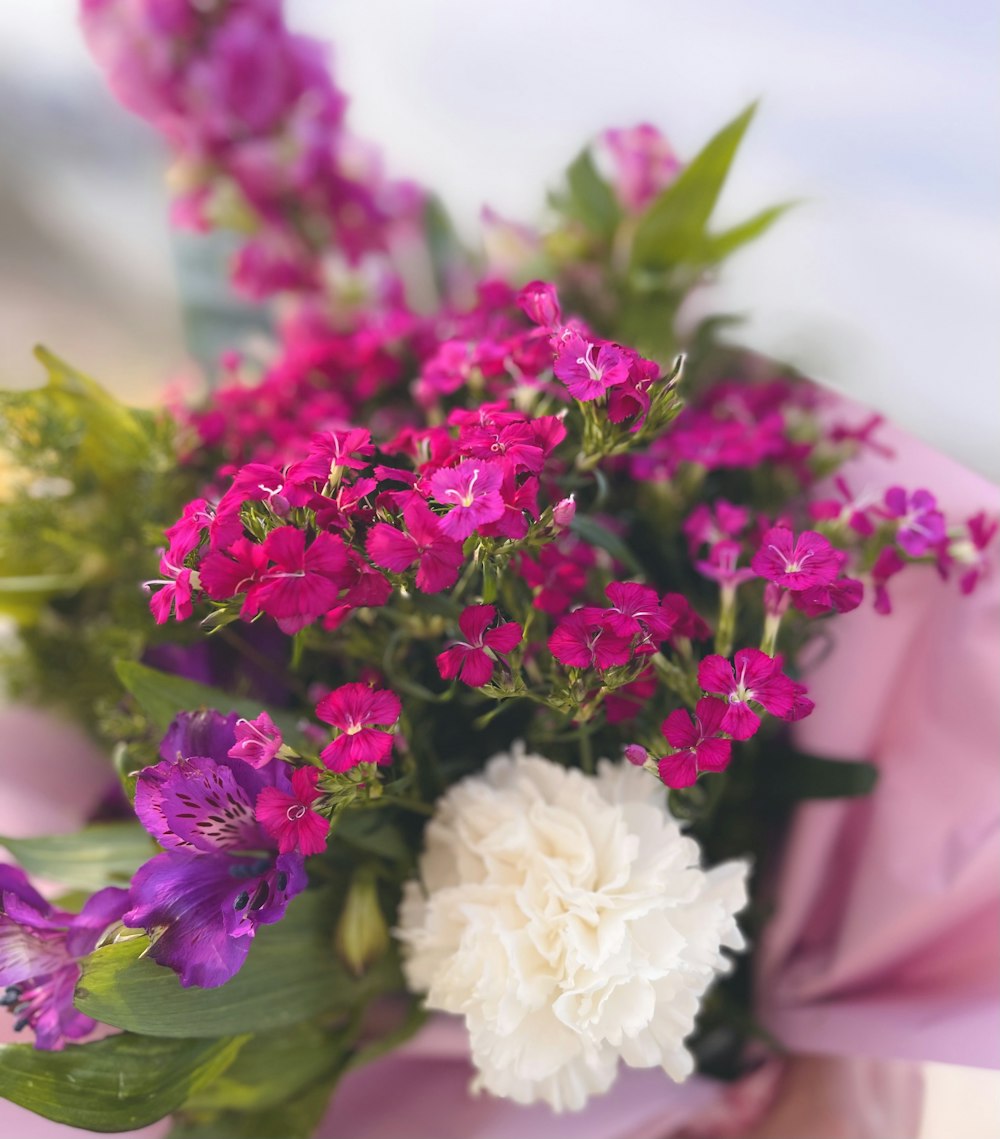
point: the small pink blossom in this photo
(472, 489)
(589, 368)
(289, 818)
(794, 563)
(257, 741)
(920, 524)
(175, 594)
(636, 610)
(698, 746)
(583, 639)
(645, 163)
(303, 582)
(720, 566)
(469, 660)
(438, 557)
(756, 677)
(362, 714)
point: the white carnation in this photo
(567, 919)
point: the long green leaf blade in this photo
(121, 1083)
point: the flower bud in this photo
(538, 301)
(636, 754)
(564, 512)
(362, 935)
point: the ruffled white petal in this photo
(567, 919)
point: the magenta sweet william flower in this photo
(796, 564)
(472, 489)
(362, 714)
(970, 552)
(303, 582)
(288, 818)
(636, 610)
(469, 659)
(840, 596)
(645, 163)
(174, 596)
(40, 950)
(757, 678)
(257, 741)
(720, 566)
(232, 571)
(706, 525)
(589, 368)
(921, 525)
(697, 743)
(584, 639)
(438, 557)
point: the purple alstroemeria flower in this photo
(221, 875)
(40, 947)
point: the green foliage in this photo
(161, 695)
(588, 198)
(673, 228)
(124, 1082)
(290, 976)
(91, 484)
(105, 854)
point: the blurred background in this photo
(881, 119)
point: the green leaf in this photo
(116, 1084)
(672, 230)
(371, 833)
(718, 246)
(295, 1118)
(590, 199)
(161, 695)
(795, 775)
(291, 975)
(274, 1067)
(112, 437)
(595, 534)
(105, 854)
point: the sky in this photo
(880, 119)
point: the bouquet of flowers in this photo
(474, 624)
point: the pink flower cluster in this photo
(257, 126)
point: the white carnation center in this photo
(567, 919)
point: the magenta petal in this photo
(678, 729)
(714, 755)
(391, 548)
(504, 638)
(715, 674)
(678, 770)
(450, 661)
(475, 620)
(369, 745)
(439, 566)
(740, 722)
(710, 715)
(476, 669)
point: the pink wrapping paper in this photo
(886, 939)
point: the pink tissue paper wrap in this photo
(885, 944)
